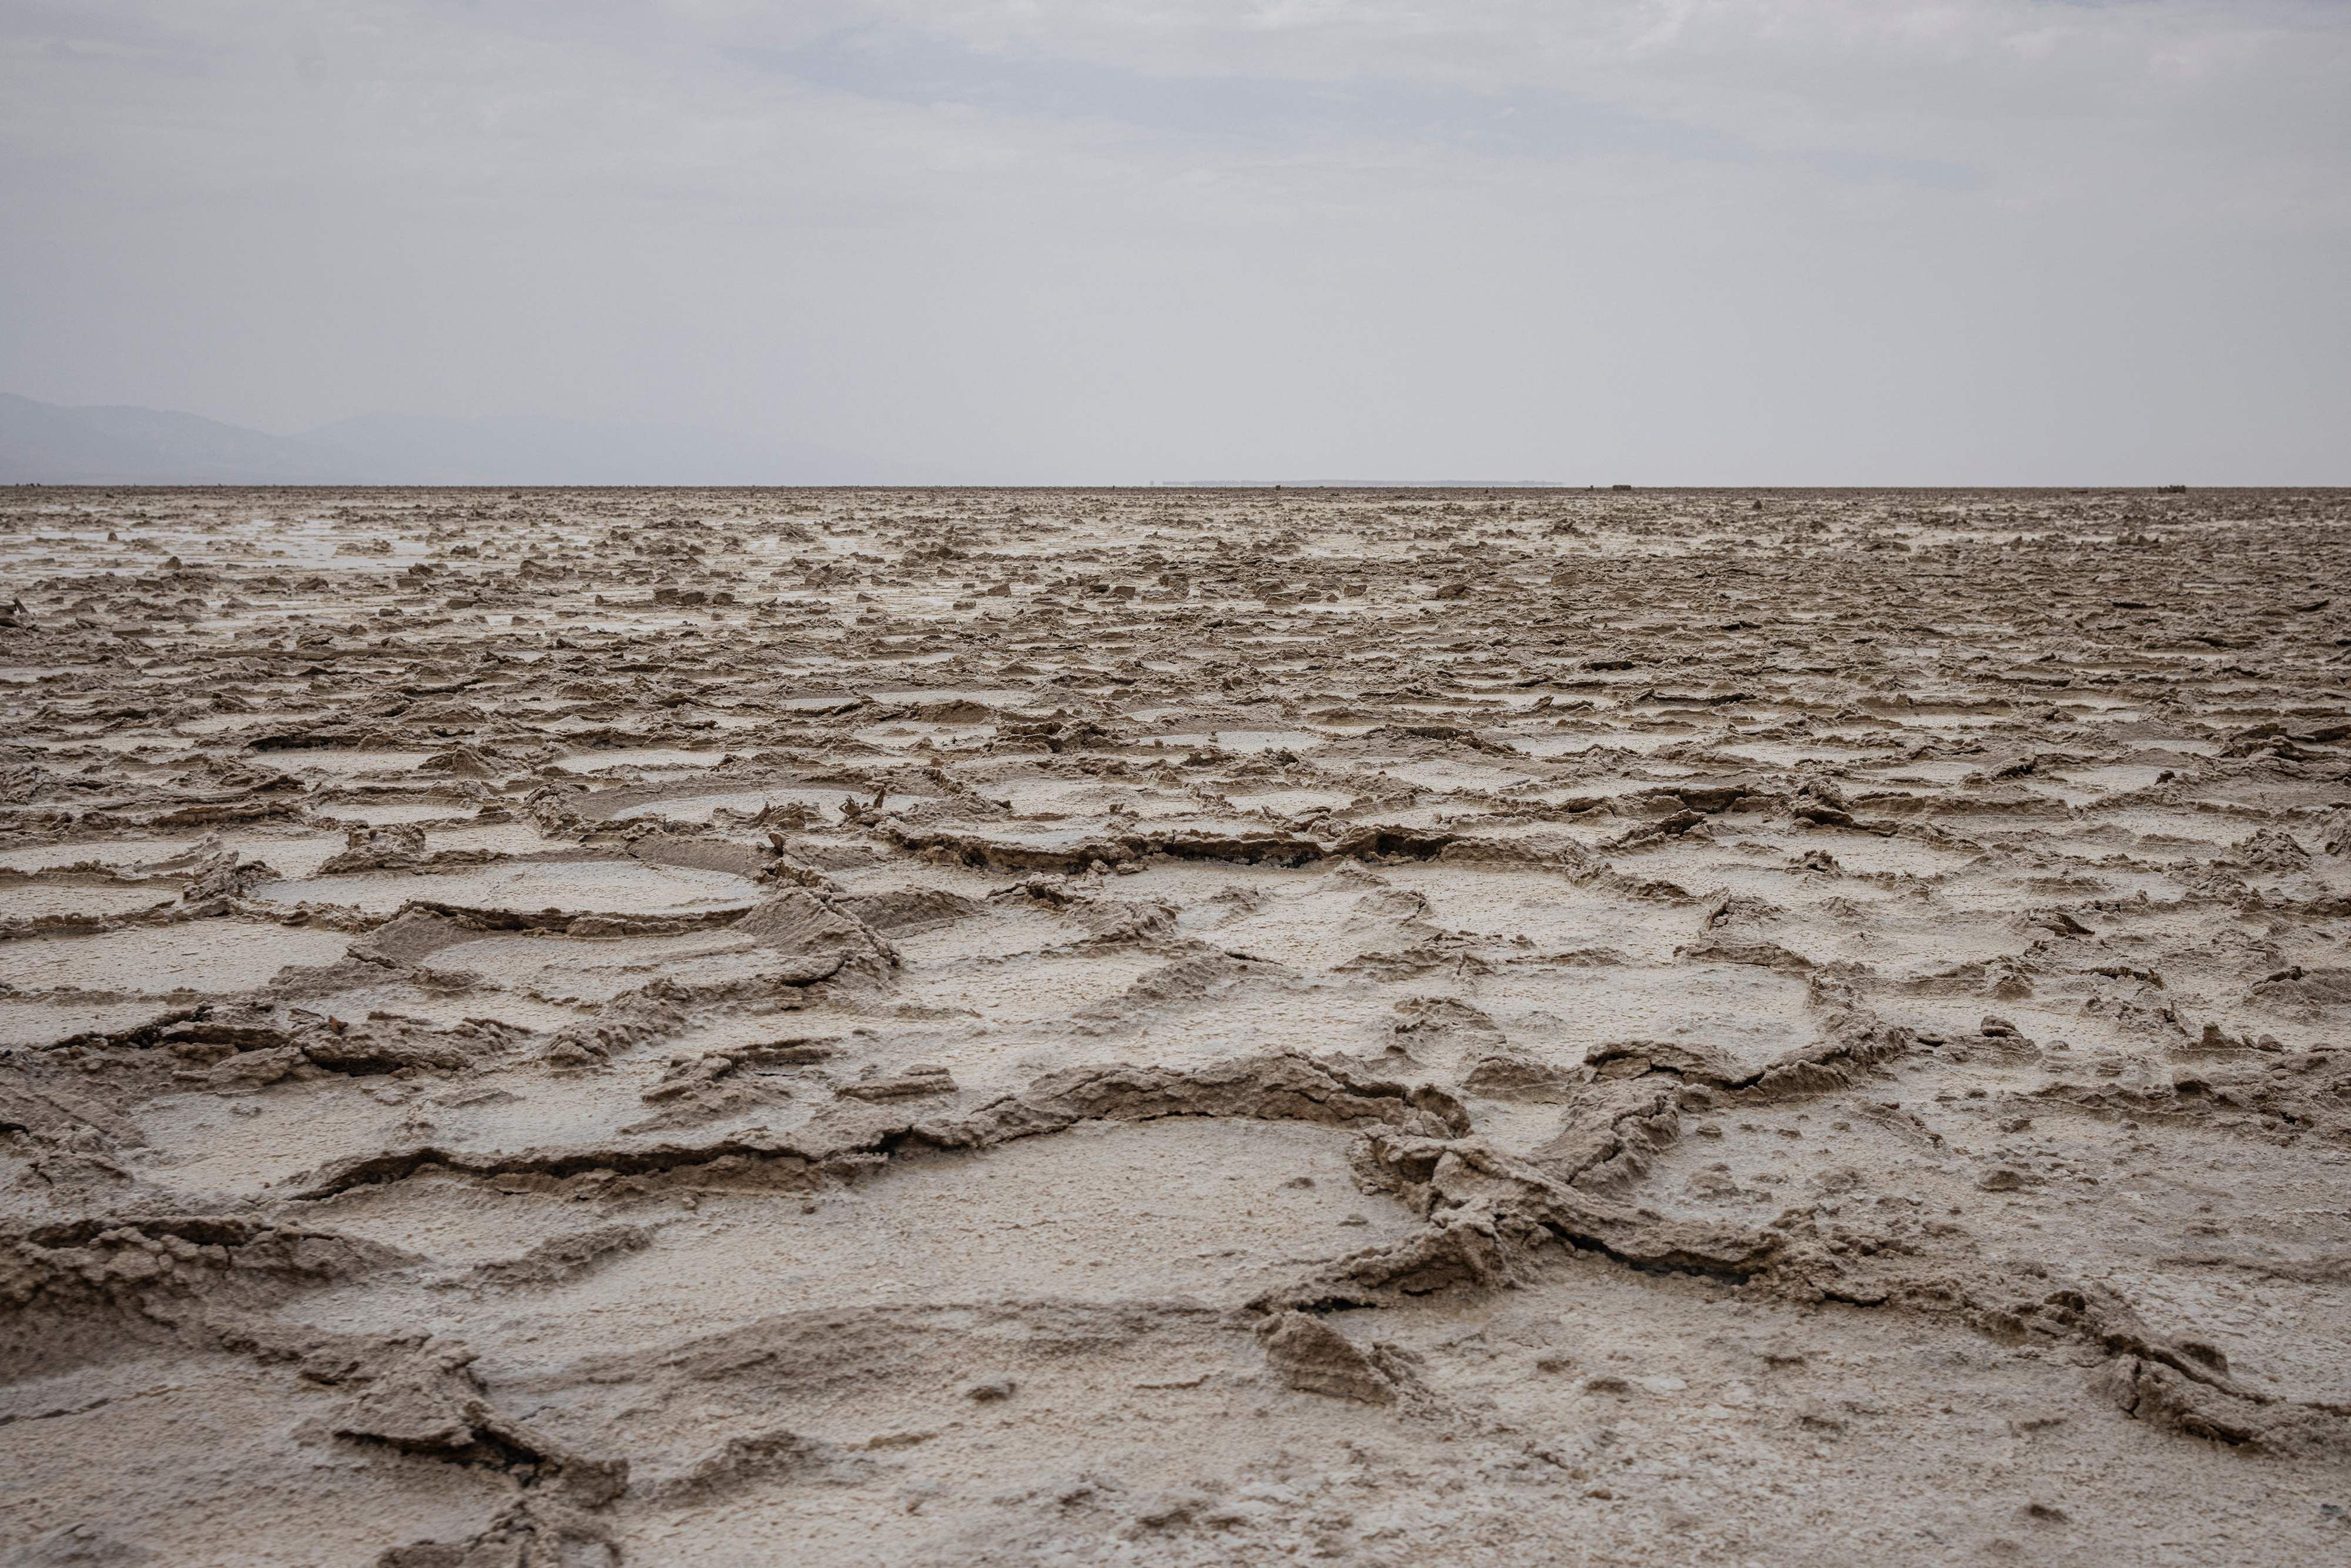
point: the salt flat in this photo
(1148, 1026)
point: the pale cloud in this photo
(1710, 240)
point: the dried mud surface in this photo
(726, 1028)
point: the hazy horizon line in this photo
(1544, 487)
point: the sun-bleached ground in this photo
(744, 1027)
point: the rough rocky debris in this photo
(597, 1027)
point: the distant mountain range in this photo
(46, 443)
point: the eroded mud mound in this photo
(716, 1027)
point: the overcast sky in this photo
(1855, 241)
